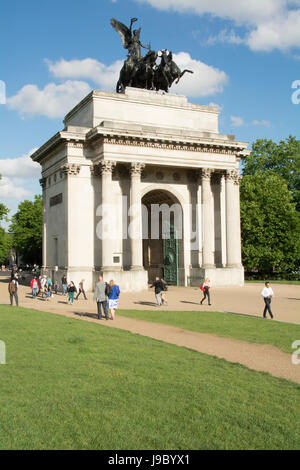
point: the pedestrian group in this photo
(107, 295)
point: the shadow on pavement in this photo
(86, 314)
(151, 304)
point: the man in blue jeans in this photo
(101, 298)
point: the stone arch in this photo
(163, 234)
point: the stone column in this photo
(233, 230)
(135, 213)
(44, 241)
(106, 168)
(208, 220)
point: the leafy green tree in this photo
(26, 229)
(4, 236)
(281, 159)
(270, 224)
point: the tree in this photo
(26, 229)
(281, 159)
(270, 224)
(4, 236)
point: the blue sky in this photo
(245, 54)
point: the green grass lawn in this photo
(70, 384)
(242, 327)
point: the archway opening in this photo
(163, 253)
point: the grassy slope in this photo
(69, 384)
(253, 330)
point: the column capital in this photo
(107, 166)
(102, 167)
(206, 173)
(136, 168)
(71, 169)
(233, 175)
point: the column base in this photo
(137, 268)
(110, 269)
(220, 277)
(128, 281)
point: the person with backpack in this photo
(158, 289)
(13, 291)
(34, 286)
(100, 295)
(113, 298)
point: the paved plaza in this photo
(245, 300)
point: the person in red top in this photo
(34, 286)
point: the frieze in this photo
(187, 147)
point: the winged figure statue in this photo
(130, 39)
(144, 72)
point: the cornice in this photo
(236, 148)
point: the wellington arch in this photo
(126, 160)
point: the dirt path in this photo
(257, 357)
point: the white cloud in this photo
(21, 167)
(263, 122)
(281, 33)
(19, 177)
(237, 121)
(270, 24)
(53, 101)
(10, 190)
(206, 80)
(104, 76)
(224, 36)
(241, 11)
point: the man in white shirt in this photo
(267, 294)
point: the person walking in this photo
(158, 288)
(81, 290)
(163, 292)
(101, 298)
(34, 286)
(64, 284)
(71, 292)
(113, 299)
(267, 294)
(39, 284)
(206, 286)
(55, 287)
(13, 291)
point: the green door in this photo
(170, 253)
